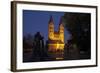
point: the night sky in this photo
(34, 21)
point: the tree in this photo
(79, 25)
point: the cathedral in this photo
(55, 38)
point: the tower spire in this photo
(60, 21)
(51, 19)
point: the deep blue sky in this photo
(34, 21)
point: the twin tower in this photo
(56, 38)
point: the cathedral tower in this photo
(51, 28)
(61, 31)
(55, 38)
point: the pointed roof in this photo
(61, 22)
(51, 19)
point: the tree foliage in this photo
(79, 25)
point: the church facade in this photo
(55, 38)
